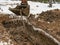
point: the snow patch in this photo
(35, 7)
(5, 43)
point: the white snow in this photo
(5, 43)
(35, 7)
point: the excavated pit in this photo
(21, 35)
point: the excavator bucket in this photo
(24, 8)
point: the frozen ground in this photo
(35, 7)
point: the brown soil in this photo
(49, 21)
(21, 35)
(50, 16)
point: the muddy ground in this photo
(11, 28)
(49, 21)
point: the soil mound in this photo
(50, 16)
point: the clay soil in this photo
(22, 35)
(49, 21)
